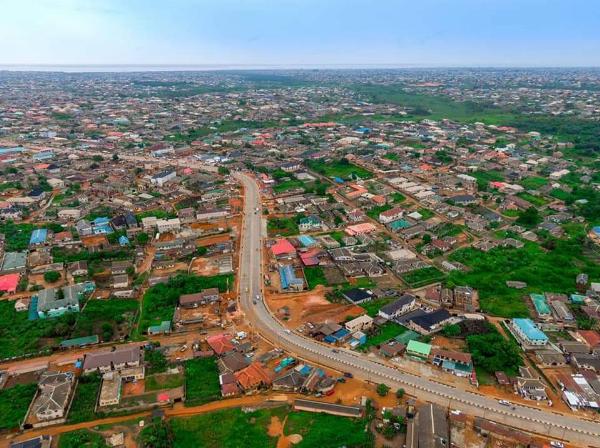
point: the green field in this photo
(426, 213)
(397, 197)
(314, 276)
(485, 177)
(422, 277)
(374, 212)
(104, 317)
(533, 183)
(163, 381)
(159, 301)
(538, 201)
(387, 331)
(286, 185)
(20, 336)
(14, 403)
(341, 168)
(201, 381)
(81, 438)
(543, 270)
(84, 402)
(282, 226)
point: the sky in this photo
(381, 33)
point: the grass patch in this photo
(104, 317)
(282, 226)
(423, 276)
(372, 307)
(201, 381)
(81, 438)
(447, 229)
(426, 213)
(397, 197)
(375, 211)
(229, 428)
(485, 177)
(84, 402)
(159, 301)
(535, 200)
(543, 271)
(533, 183)
(387, 331)
(341, 168)
(286, 185)
(315, 276)
(328, 431)
(163, 381)
(14, 403)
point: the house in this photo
(360, 229)
(163, 177)
(120, 281)
(457, 363)
(586, 361)
(203, 297)
(113, 360)
(54, 302)
(528, 333)
(289, 280)
(358, 295)
(432, 427)
(530, 387)
(464, 199)
(361, 323)
(54, 392)
(253, 377)
(9, 282)
(430, 322)
(391, 215)
(78, 268)
(391, 349)
(84, 227)
(290, 381)
(232, 362)
(13, 262)
(283, 248)
(309, 223)
(419, 350)
(398, 307)
(220, 343)
(168, 225)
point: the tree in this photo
(97, 158)
(115, 157)
(529, 218)
(223, 170)
(157, 435)
(382, 389)
(427, 238)
(51, 276)
(451, 331)
(142, 238)
(400, 393)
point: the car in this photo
(557, 444)
(335, 350)
(183, 348)
(504, 402)
(348, 375)
(254, 302)
(287, 331)
(257, 296)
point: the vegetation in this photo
(84, 402)
(14, 403)
(485, 177)
(201, 381)
(156, 361)
(341, 168)
(223, 126)
(553, 270)
(229, 428)
(51, 276)
(81, 438)
(19, 235)
(157, 434)
(382, 389)
(492, 352)
(387, 331)
(61, 255)
(375, 211)
(529, 218)
(372, 307)
(314, 276)
(282, 226)
(533, 183)
(451, 330)
(159, 301)
(423, 276)
(163, 381)
(104, 317)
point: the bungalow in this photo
(283, 248)
(419, 350)
(54, 302)
(457, 363)
(391, 215)
(113, 360)
(358, 295)
(464, 199)
(55, 390)
(204, 297)
(360, 229)
(430, 322)
(220, 343)
(253, 377)
(310, 223)
(163, 177)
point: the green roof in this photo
(78, 342)
(164, 327)
(419, 348)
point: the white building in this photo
(163, 177)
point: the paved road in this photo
(544, 422)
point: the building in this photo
(168, 225)
(163, 177)
(114, 360)
(418, 350)
(54, 392)
(14, 262)
(361, 323)
(398, 307)
(432, 427)
(195, 300)
(358, 295)
(328, 408)
(456, 363)
(289, 280)
(309, 223)
(528, 333)
(430, 322)
(54, 302)
(390, 215)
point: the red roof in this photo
(283, 247)
(220, 343)
(163, 397)
(253, 376)
(310, 257)
(591, 337)
(9, 282)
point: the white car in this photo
(556, 444)
(504, 402)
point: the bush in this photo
(382, 389)
(51, 276)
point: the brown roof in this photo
(103, 359)
(462, 357)
(253, 376)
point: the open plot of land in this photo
(422, 277)
(159, 301)
(315, 276)
(107, 318)
(201, 381)
(338, 168)
(282, 226)
(14, 403)
(533, 183)
(535, 200)
(372, 307)
(387, 331)
(543, 271)
(84, 402)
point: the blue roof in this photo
(596, 230)
(123, 240)
(11, 150)
(339, 180)
(531, 331)
(33, 308)
(38, 236)
(342, 332)
(100, 221)
(306, 240)
(288, 277)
